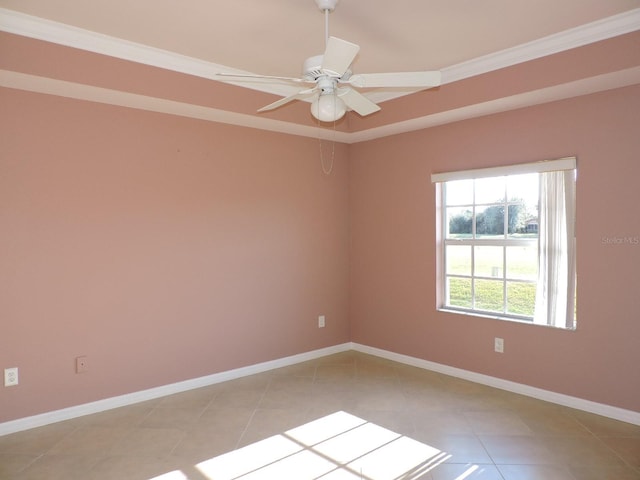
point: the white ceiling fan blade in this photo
(398, 79)
(298, 96)
(357, 102)
(264, 77)
(338, 56)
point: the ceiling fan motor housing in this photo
(312, 67)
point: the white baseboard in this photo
(152, 393)
(609, 411)
(47, 418)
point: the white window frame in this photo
(546, 312)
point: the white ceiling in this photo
(273, 37)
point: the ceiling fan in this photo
(333, 84)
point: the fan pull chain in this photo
(333, 153)
(333, 144)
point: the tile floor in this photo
(342, 417)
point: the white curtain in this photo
(555, 293)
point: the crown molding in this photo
(62, 34)
(604, 29)
(585, 86)
(30, 26)
(77, 91)
(107, 96)
(67, 35)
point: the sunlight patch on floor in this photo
(467, 473)
(175, 475)
(339, 446)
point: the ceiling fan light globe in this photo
(328, 108)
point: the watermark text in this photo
(620, 240)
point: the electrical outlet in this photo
(321, 322)
(10, 376)
(81, 364)
(498, 345)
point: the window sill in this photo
(501, 318)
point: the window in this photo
(506, 245)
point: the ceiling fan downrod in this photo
(326, 6)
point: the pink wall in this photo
(166, 248)
(161, 247)
(393, 279)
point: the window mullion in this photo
(504, 279)
(473, 249)
(505, 231)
